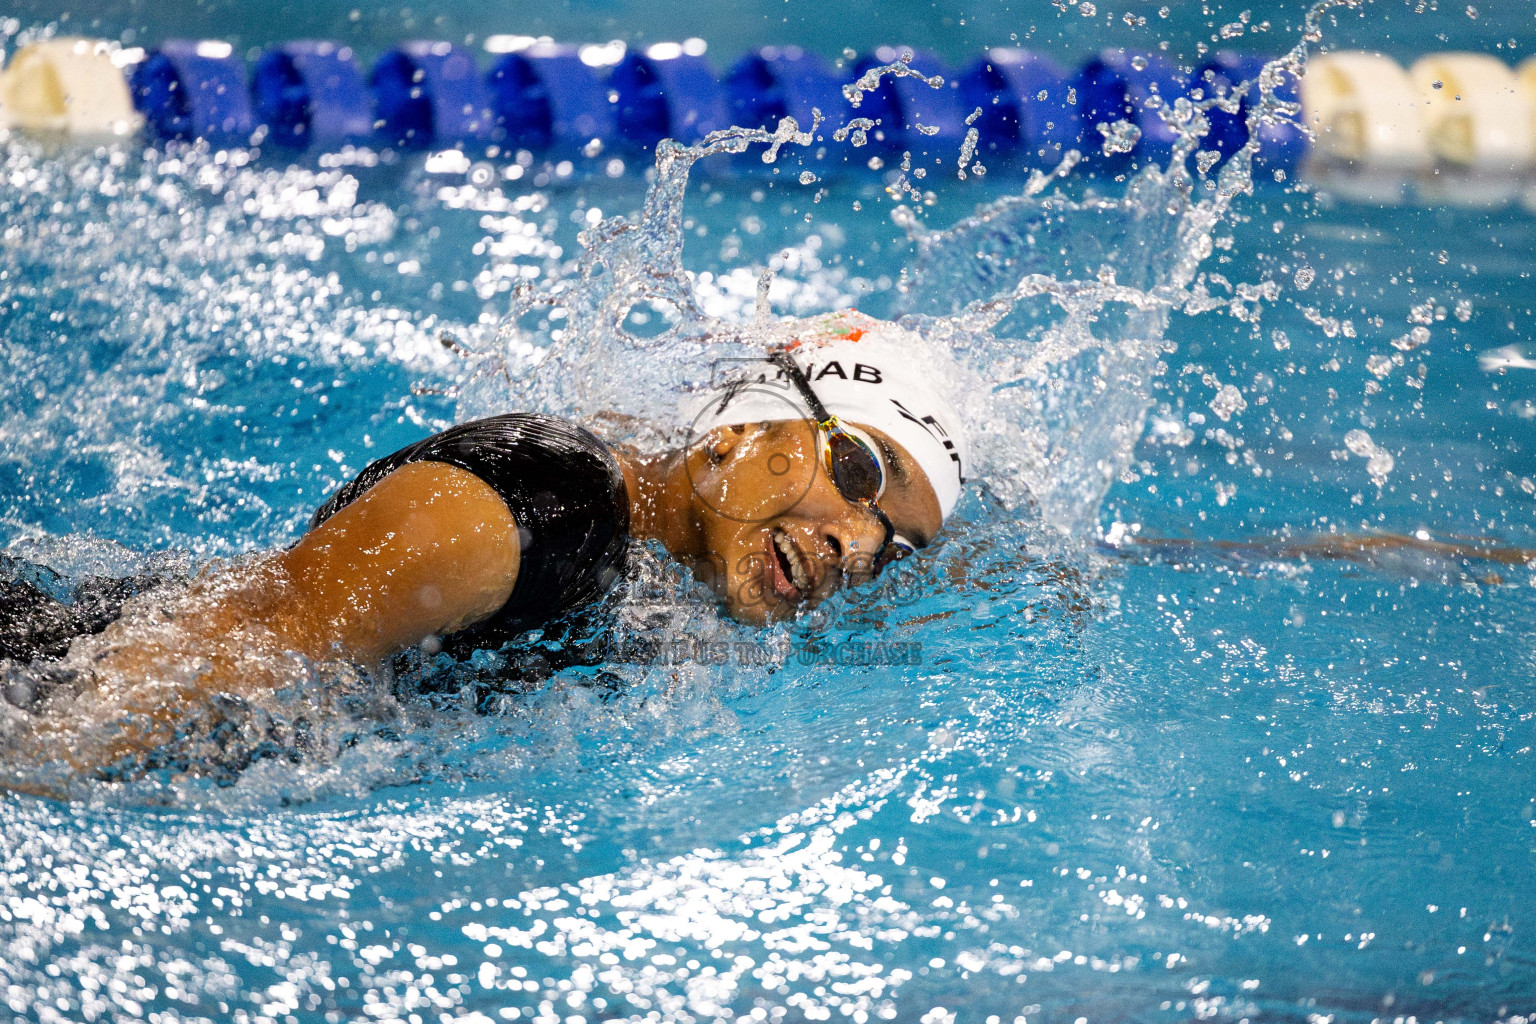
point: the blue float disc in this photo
(431, 94)
(188, 89)
(545, 96)
(674, 96)
(309, 94)
(1117, 86)
(1023, 101)
(901, 103)
(1281, 145)
(777, 82)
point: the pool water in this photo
(1105, 776)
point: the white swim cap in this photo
(865, 371)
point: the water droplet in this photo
(1120, 137)
(1415, 338)
(1379, 461)
(1228, 400)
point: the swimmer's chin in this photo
(759, 614)
(768, 611)
(753, 602)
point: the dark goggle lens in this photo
(855, 470)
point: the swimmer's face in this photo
(778, 535)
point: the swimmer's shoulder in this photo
(565, 491)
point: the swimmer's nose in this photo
(852, 543)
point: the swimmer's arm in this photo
(430, 549)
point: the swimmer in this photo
(812, 470)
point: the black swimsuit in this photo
(565, 491)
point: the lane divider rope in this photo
(1469, 113)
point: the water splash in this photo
(855, 91)
(1044, 316)
(1063, 412)
(601, 790)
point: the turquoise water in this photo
(1122, 781)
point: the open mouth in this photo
(789, 568)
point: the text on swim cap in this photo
(929, 424)
(862, 372)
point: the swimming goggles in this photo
(852, 461)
